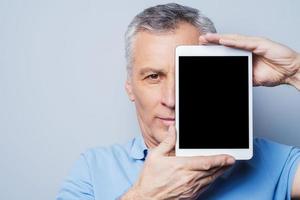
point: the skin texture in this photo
(154, 96)
(169, 177)
(273, 64)
(152, 89)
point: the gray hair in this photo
(163, 18)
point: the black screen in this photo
(213, 102)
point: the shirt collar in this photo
(138, 148)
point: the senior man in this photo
(145, 167)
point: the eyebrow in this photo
(144, 70)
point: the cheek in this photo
(147, 99)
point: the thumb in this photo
(168, 144)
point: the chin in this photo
(161, 134)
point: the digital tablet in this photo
(213, 101)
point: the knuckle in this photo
(206, 166)
(211, 178)
(180, 166)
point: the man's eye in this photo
(153, 76)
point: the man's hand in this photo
(273, 63)
(170, 177)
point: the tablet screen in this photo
(213, 102)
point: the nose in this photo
(168, 96)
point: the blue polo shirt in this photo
(105, 173)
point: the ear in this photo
(128, 88)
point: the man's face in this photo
(152, 84)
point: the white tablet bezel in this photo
(214, 50)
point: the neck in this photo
(149, 141)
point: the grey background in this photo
(62, 70)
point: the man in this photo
(146, 168)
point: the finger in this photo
(217, 174)
(200, 174)
(210, 38)
(202, 40)
(236, 41)
(216, 170)
(168, 144)
(211, 171)
(215, 37)
(202, 189)
(203, 183)
(209, 162)
(210, 179)
(240, 44)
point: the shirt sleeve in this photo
(288, 174)
(282, 161)
(77, 185)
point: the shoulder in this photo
(108, 154)
(274, 156)
(93, 172)
(268, 149)
(280, 161)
